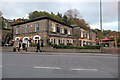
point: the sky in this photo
(89, 10)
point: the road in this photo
(58, 66)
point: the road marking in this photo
(0, 65)
(61, 68)
(46, 67)
(83, 69)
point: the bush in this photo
(92, 46)
(69, 43)
(49, 43)
(75, 47)
(54, 45)
(33, 44)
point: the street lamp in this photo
(101, 22)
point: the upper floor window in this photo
(62, 29)
(58, 28)
(17, 30)
(81, 34)
(65, 30)
(26, 29)
(88, 35)
(6, 25)
(68, 31)
(53, 27)
(36, 27)
(85, 35)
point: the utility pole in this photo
(101, 23)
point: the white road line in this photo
(46, 67)
(83, 69)
(0, 65)
(61, 68)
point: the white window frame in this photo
(36, 27)
(68, 30)
(85, 34)
(34, 38)
(26, 28)
(88, 35)
(62, 29)
(81, 34)
(6, 25)
(26, 41)
(53, 27)
(17, 30)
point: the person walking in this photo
(38, 47)
(41, 47)
(19, 46)
(24, 46)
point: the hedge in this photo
(33, 44)
(75, 47)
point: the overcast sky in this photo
(88, 10)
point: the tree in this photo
(82, 23)
(71, 22)
(106, 32)
(0, 14)
(19, 20)
(2, 22)
(72, 13)
(59, 14)
(65, 19)
(34, 14)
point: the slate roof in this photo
(40, 18)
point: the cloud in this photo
(58, 0)
(88, 10)
(107, 26)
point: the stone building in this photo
(50, 31)
(83, 36)
(6, 30)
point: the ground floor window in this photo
(60, 41)
(26, 41)
(36, 38)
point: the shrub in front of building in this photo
(75, 47)
(92, 46)
(33, 44)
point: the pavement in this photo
(58, 53)
(40, 65)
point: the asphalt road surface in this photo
(58, 66)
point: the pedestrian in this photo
(24, 46)
(19, 46)
(41, 47)
(38, 47)
(14, 47)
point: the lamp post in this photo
(101, 22)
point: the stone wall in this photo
(31, 30)
(111, 50)
(50, 49)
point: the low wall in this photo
(111, 50)
(50, 49)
